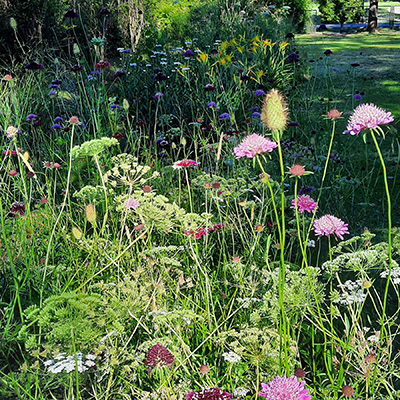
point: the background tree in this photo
(341, 11)
(373, 16)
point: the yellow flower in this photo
(222, 61)
(282, 45)
(256, 39)
(203, 57)
(267, 42)
(240, 49)
(233, 42)
(254, 49)
(260, 74)
(224, 45)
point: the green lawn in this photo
(378, 75)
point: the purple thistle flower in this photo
(159, 356)
(188, 53)
(367, 116)
(329, 224)
(212, 104)
(58, 119)
(282, 388)
(255, 115)
(158, 95)
(209, 394)
(304, 203)
(225, 116)
(56, 126)
(254, 145)
(31, 118)
(259, 92)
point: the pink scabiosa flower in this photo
(254, 145)
(282, 388)
(184, 164)
(304, 203)
(329, 224)
(367, 116)
(159, 356)
(131, 204)
(209, 394)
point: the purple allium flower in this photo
(334, 70)
(114, 106)
(253, 145)
(158, 95)
(209, 394)
(255, 115)
(329, 224)
(212, 104)
(188, 53)
(293, 57)
(126, 51)
(33, 66)
(259, 92)
(225, 116)
(367, 116)
(304, 203)
(357, 97)
(56, 126)
(58, 119)
(159, 356)
(282, 388)
(131, 204)
(31, 118)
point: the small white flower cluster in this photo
(62, 362)
(231, 357)
(248, 300)
(395, 275)
(241, 392)
(352, 293)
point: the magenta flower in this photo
(329, 224)
(131, 204)
(184, 164)
(253, 145)
(209, 394)
(304, 203)
(282, 388)
(367, 116)
(159, 356)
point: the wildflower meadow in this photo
(207, 212)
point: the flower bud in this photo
(90, 213)
(274, 112)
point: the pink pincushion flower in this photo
(209, 394)
(329, 224)
(254, 145)
(184, 163)
(282, 388)
(131, 204)
(367, 116)
(304, 203)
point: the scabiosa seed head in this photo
(304, 203)
(209, 394)
(90, 213)
(159, 356)
(367, 116)
(299, 373)
(274, 112)
(347, 391)
(254, 145)
(297, 170)
(329, 224)
(282, 388)
(334, 114)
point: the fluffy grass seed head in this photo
(274, 113)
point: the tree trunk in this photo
(373, 16)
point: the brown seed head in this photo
(347, 391)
